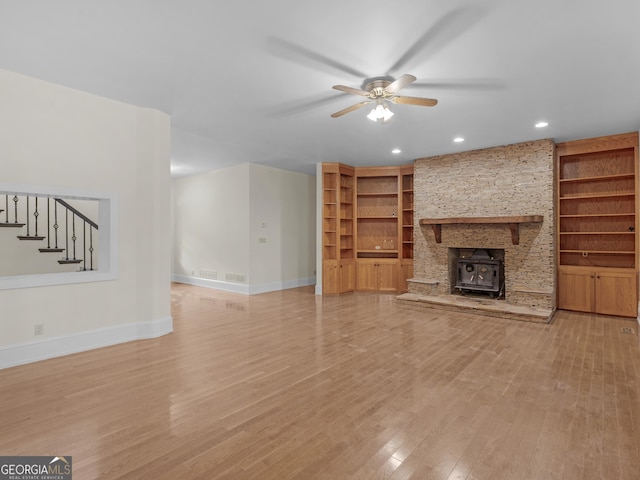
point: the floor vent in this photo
(627, 330)
(210, 274)
(236, 277)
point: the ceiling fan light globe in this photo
(381, 112)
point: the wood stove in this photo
(480, 273)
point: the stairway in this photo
(61, 219)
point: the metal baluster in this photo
(15, 205)
(55, 222)
(66, 234)
(84, 245)
(73, 238)
(36, 215)
(28, 216)
(91, 247)
(48, 223)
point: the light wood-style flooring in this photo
(289, 385)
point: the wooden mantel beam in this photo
(512, 222)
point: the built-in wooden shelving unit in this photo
(373, 225)
(597, 224)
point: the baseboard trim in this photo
(241, 288)
(14, 355)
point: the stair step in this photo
(69, 260)
(30, 237)
(51, 250)
(5, 224)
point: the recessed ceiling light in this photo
(542, 124)
(396, 151)
(458, 139)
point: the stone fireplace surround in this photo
(511, 180)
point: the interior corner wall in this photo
(246, 229)
(282, 229)
(54, 136)
(211, 228)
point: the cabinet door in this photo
(330, 282)
(576, 290)
(366, 276)
(377, 276)
(387, 277)
(616, 293)
(347, 274)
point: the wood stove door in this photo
(487, 276)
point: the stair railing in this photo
(7, 223)
(71, 213)
(87, 221)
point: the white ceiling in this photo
(250, 80)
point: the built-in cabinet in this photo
(367, 228)
(338, 229)
(607, 291)
(598, 224)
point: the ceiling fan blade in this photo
(401, 82)
(296, 53)
(423, 102)
(445, 30)
(354, 91)
(303, 105)
(454, 84)
(349, 109)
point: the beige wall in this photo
(510, 180)
(211, 228)
(248, 229)
(282, 228)
(62, 138)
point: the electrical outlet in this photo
(38, 329)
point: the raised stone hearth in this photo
(480, 306)
(509, 182)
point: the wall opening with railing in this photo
(51, 236)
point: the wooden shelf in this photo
(597, 233)
(381, 194)
(598, 195)
(620, 176)
(589, 215)
(611, 252)
(513, 222)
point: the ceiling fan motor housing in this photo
(376, 86)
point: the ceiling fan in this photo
(379, 91)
